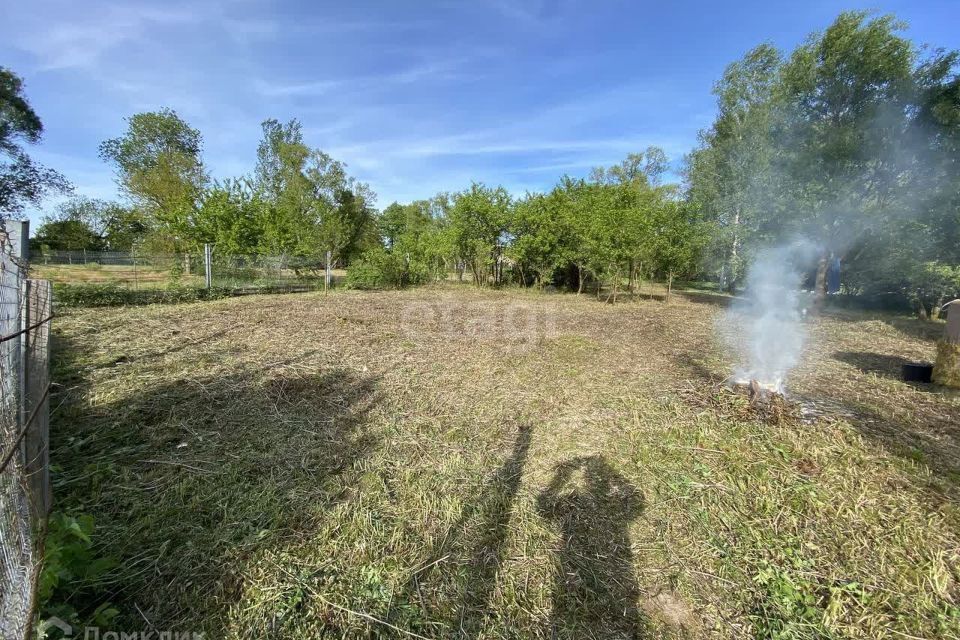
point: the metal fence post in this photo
(24, 386)
(327, 274)
(208, 264)
(35, 412)
(19, 231)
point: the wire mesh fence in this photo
(135, 270)
(25, 316)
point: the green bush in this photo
(381, 269)
(68, 560)
(111, 295)
(364, 275)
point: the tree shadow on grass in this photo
(481, 557)
(190, 475)
(595, 595)
(699, 297)
(638, 295)
(883, 365)
(698, 367)
(913, 327)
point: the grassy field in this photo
(141, 276)
(446, 462)
(147, 276)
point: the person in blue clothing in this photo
(833, 276)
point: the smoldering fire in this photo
(765, 326)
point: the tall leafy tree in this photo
(731, 174)
(230, 217)
(22, 181)
(679, 237)
(314, 205)
(478, 221)
(538, 232)
(82, 223)
(850, 142)
(646, 168)
(847, 91)
(159, 166)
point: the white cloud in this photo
(81, 41)
(248, 30)
(431, 70)
(281, 90)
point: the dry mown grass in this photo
(445, 462)
(122, 275)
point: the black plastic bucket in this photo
(917, 371)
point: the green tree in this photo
(22, 181)
(122, 228)
(646, 168)
(538, 232)
(230, 215)
(159, 167)
(679, 237)
(847, 92)
(75, 226)
(478, 222)
(850, 142)
(313, 205)
(94, 225)
(730, 175)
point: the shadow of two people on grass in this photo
(591, 506)
(595, 588)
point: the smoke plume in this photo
(766, 326)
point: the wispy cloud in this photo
(415, 98)
(81, 42)
(428, 71)
(250, 30)
(285, 90)
(527, 11)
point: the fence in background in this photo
(25, 316)
(207, 269)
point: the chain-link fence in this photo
(25, 315)
(135, 270)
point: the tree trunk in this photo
(820, 284)
(734, 251)
(630, 281)
(935, 311)
(669, 285)
(579, 280)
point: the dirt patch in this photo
(671, 609)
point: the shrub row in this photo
(111, 295)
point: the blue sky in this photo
(416, 97)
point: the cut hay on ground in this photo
(453, 463)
